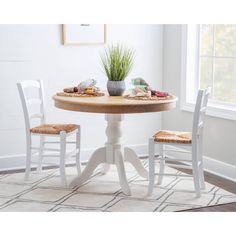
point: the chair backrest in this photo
(199, 114)
(35, 101)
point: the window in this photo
(209, 59)
(218, 61)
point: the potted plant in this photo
(117, 62)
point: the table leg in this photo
(98, 157)
(121, 173)
(132, 157)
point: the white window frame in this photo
(190, 76)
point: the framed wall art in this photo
(82, 34)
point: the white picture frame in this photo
(83, 34)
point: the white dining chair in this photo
(33, 108)
(193, 139)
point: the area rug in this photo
(102, 193)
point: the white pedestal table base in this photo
(112, 153)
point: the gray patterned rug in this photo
(103, 193)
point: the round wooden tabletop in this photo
(113, 104)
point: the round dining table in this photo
(114, 108)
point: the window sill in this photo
(214, 110)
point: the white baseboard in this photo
(213, 166)
(219, 168)
(12, 162)
(16, 162)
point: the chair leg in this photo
(201, 175)
(63, 157)
(151, 166)
(77, 156)
(40, 159)
(162, 164)
(196, 176)
(201, 171)
(28, 158)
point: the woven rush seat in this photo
(54, 128)
(173, 137)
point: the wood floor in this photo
(220, 182)
(210, 178)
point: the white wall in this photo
(36, 52)
(219, 134)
